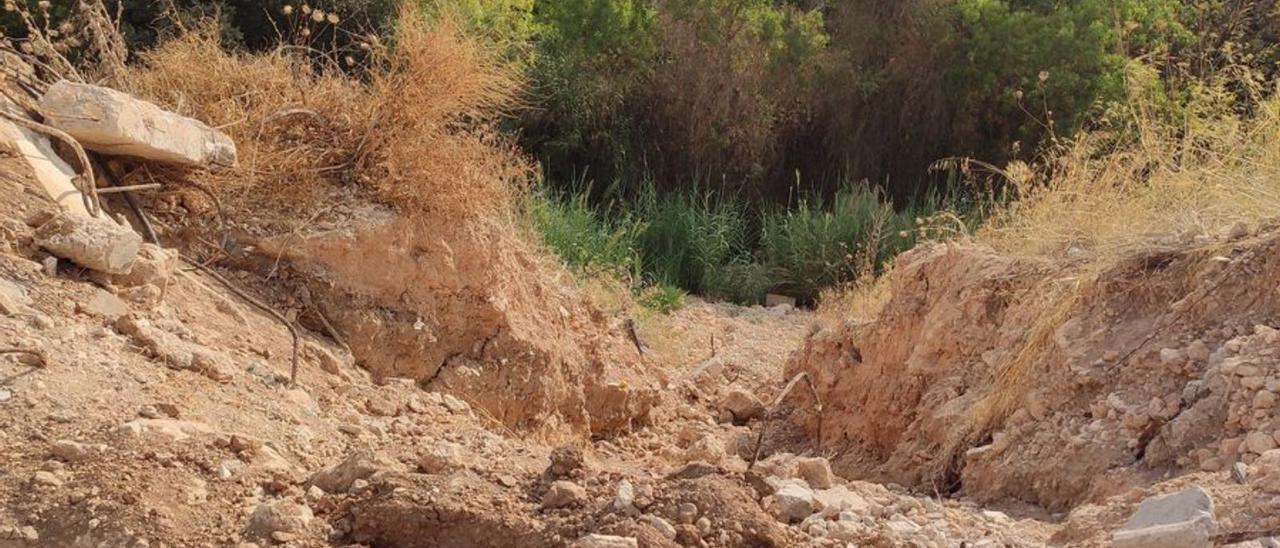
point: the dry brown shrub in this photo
(417, 132)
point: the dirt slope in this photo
(1002, 379)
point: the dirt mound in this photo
(471, 310)
(995, 377)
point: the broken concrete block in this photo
(96, 243)
(112, 122)
(1181, 520)
(53, 174)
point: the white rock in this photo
(663, 526)
(112, 122)
(96, 243)
(168, 430)
(563, 494)
(441, 458)
(13, 298)
(792, 502)
(339, 477)
(72, 451)
(281, 516)
(1180, 520)
(1264, 473)
(743, 405)
(817, 472)
(605, 541)
(839, 499)
(455, 405)
(625, 499)
(1259, 442)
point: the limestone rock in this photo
(96, 243)
(1264, 474)
(605, 541)
(103, 305)
(154, 265)
(663, 526)
(72, 451)
(566, 460)
(1180, 520)
(441, 458)
(625, 499)
(817, 472)
(13, 298)
(743, 405)
(166, 430)
(792, 502)
(564, 494)
(339, 477)
(281, 516)
(112, 122)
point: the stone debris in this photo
(563, 494)
(566, 461)
(340, 477)
(624, 500)
(605, 541)
(167, 430)
(173, 351)
(663, 526)
(440, 458)
(1264, 474)
(792, 502)
(154, 265)
(281, 516)
(1181, 520)
(13, 299)
(817, 472)
(742, 405)
(96, 243)
(72, 451)
(114, 123)
(103, 305)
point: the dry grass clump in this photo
(416, 132)
(1171, 183)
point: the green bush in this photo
(582, 238)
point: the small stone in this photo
(1238, 231)
(694, 470)
(566, 460)
(742, 405)
(1264, 474)
(1198, 351)
(149, 412)
(605, 541)
(663, 526)
(1240, 473)
(96, 243)
(625, 499)
(1172, 357)
(283, 516)
(686, 512)
(382, 407)
(792, 502)
(315, 493)
(71, 451)
(45, 478)
(817, 472)
(1180, 520)
(340, 477)
(103, 305)
(563, 494)
(327, 361)
(1259, 442)
(704, 526)
(1264, 400)
(455, 405)
(507, 480)
(29, 533)
(440, 458)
